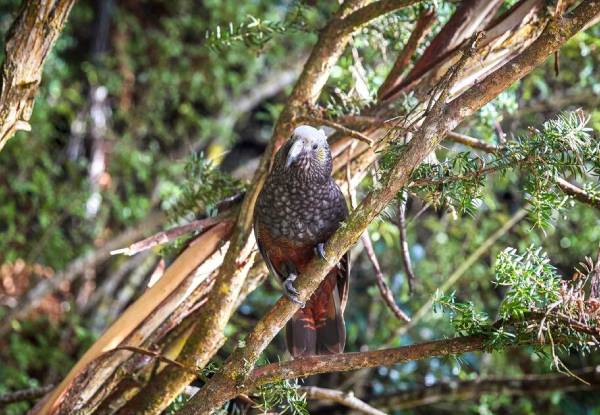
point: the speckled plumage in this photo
(308, 211)
(299, 207)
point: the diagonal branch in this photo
(384, 289)
(395, 76)
(163, 237)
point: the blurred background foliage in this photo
(208, 79)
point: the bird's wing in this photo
(343, 281)
(343, 272)
(263, 250)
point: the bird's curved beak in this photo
(295, 150)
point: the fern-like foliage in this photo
(538, 306)
(255, 32)
(563, 146)
(283, 395)
(532, 282)
(203, 187)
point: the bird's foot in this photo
(290, 291)
(320, 250)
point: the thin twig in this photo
(339, 127)
(163, 237)
(343, 398)
(24, 395)
(404, 243)
(384, 289)
(156, 356)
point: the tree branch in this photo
(384, 289)
(28, 44)
(24, 395)
(374, 10)
(470, 389)
(343, 398)
(166, 236)
(313, 365)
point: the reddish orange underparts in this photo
(281, 250)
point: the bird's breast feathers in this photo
(307, 216)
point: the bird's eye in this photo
(315, 146)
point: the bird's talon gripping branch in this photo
(320, 250)
(290, 291)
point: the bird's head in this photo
(307, 155)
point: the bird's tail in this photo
(319, 327)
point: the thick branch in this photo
(28, 43)
(344, 362)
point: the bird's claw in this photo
(320, 250)
(290, 291)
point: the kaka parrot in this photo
(298, 209)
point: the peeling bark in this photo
(28, 44)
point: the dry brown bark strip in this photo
(395, 76)
(441, 119)
(470, 17)
(133, 326)
(28, 43)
